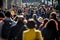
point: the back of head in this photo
(2, 15)
(20, 18)
(53, 15)
(8, 14)
(31, 24)
(45, 20)
(40, 19)
(51, 25)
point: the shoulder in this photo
(38, 31)
(25, 31)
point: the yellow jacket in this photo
(30, 34)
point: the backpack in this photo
(6, 28)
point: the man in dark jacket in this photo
(19, 28)
(6, 26)
(1, 21)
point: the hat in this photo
(31, 19)
(20, 16)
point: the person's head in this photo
(34, 11)
(25, 21)
(43, 10)
(53, 15)
(12, 12)
(51, 7)
(20, 18)
(52, 25)
(40, 19)
(12, 6)
(25, 12)
(47, 10)
(45, 21)
(8, 14)
(1, 16)
(31, 24)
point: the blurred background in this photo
(8, 3)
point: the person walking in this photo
(32, 33)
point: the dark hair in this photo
(51, 25)
(45, 21)
(31, 24)
(2, 15)
(8, 14)
(53, 15)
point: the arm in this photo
(23, 37)
(39, 35)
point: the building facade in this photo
(7, 3)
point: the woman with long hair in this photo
(51, 31)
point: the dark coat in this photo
(49, 34)
(17, 31)
(6, 28)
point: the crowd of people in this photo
(25, 23)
